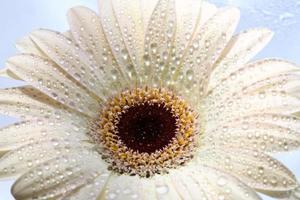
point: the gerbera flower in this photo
(149, 100)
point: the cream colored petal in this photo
(28, 103)
(295, 194)
(122, 187)
(191, 15)
(61, 175)
(5, 72)
(129, 18)
(70, 58)
(27, 45)
(36, 152)
(48, 78)
(188, 187)
(117, 42)
(217, 113)
(193, 72)
(259, 75)
(254, 168)
(88, 33)
(208, 10)
(205, 183)
(147, 8)
(165, 189)
(159, 39)
(25, 132)
(240, 49)
(188, 16)
(253, 135)
(92, 191)
(287, 121)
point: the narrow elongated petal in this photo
(249, 77)
(29, 103)
(189, 15)
(240, 49)
(201, 182)
(27, 45)
(281, 120)
(277, 101)
(36, 152)
(45, 76)
(205, 48)
(117, 41)
(7, 73)
(88, 33)
(22, 133)
(159, 40)
(69, 57)
(147, 8)
(295, 194)
(129, 17)
(64, 174)
(255, 135)
(91, 191)
(126, 187)
(208, 10)
(255, 168)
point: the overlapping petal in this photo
(59, 176)
(38, 151)
(47, 77)
(253, 167)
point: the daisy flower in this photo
(150, 99)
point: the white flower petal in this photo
(240, 49)
(28, 103)
(117, 42)
(253, 135)
(91, 191)
(22, 133)
(5, 72)
(165, 189)
(295, 194)
(129, 18)
(88, 33)
(255, 168)
(254, 76)
(205, 183)
(27, 45)
(67, 55)
(36, 152)
(59, 176)
(206, 46)
(47, 77)
(191, 15)
(208, 10)
(218, 113)
(188, 17)
(159, 39)
(147, 8)
(121, 187)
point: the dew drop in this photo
(162, 189)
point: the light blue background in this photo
(19, 17)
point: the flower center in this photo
(146, 131)
(146, 128)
